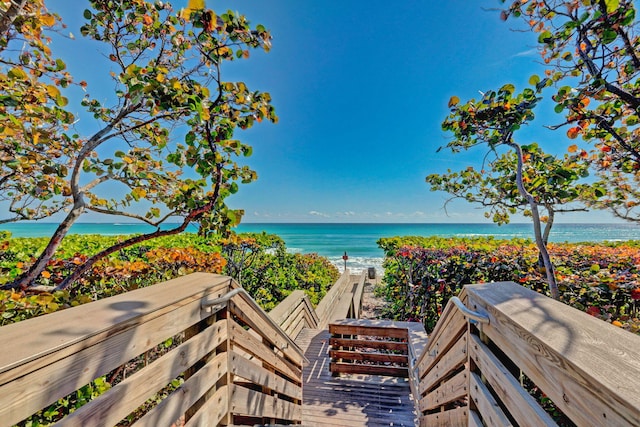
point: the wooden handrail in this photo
(235, 363)
(295, 313)
(482, 372)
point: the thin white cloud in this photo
(320, 214)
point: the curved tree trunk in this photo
(537, 230)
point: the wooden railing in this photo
(233, 363)
(491, 365)
(342, 301)
(369, 347)
(295, 313)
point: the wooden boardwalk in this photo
(349, 400)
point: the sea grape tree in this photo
(556, 183)
(35, 151)
(591, 49)
(491, 122)
(166, 68)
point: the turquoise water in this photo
(359, 240)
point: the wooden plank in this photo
(365, 330)
(450, 361)
(588, 368)
(357, 294)
(326, 305)
(291, 303)
(64, 332)
(452, 418)
(258, 375)
(118, 402)
(177, 403)
(250, 314)
(443, 337)
(380, 345)
(254, 403)
(249, 343)
(487, 406)
(519, 403)
(369, 357)
(453, 389)
(37, 389)
(212, 411)
(474, 419)
(352, 368)
(341, 307)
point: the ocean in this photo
(359, 240)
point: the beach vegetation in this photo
(269, 274)
(423, 273)
(166, 70)
(590, 49)
(513, 182)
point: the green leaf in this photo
(17, 73)
(534, 80)
(612, 5)
(87, 14)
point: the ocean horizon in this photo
(358, 240)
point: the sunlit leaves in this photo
(33, 121)
(166, 69)
(593, 48)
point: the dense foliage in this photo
(165, 68)
(269, 277)
(266, 270)
(422, 273)
(590, 49)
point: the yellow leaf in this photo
(160, 77)
(453, 101)
(192, 6)
(573, 148)
(53, 91)
(48, 20)
(46, 274)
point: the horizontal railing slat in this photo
(118, 402)
(487, 406)
(121, 343)
(258, 375)
(185, 396)
(255, 403)
(520, 404)
(249, 343)
(588, 368)
(380, 345)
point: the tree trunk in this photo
(537, 231)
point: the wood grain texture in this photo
(519, 403)
(350, 400)
(452, 418)
(118, 402)
(587, 367)
(453, 389)
(487, 406)
(450, 361)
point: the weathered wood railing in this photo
(378, 347)
(342, 301)
(234, 363)
(295, 313)
(475, 373)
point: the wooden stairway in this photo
(351, 399)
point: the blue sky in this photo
(361, 88)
